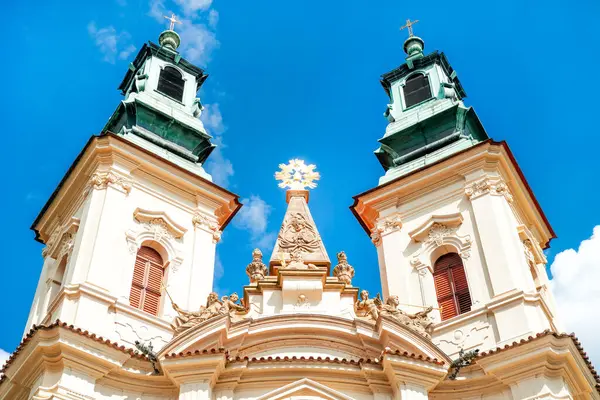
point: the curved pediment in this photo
(304, 388)
(293, 335)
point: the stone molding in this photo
(207, 224)
(101, 180)
(385, 226)
(160, 223)
(492, 186)
(531, 247)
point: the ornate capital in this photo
(202, 221)
(101, 180)
(61, 240)
(385, 226)
(343, 271)
(494, 187)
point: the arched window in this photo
(147, 280)
(416, 89)
(170, 82)
(451, 286)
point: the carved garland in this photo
(495, 187)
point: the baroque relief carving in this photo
(438, 232)
(101, 180)
(385, 226)
(62, 240)
(297, 235)
(495, 187)
(343, 271)
(202, 221)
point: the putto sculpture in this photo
(419, 322)
(214, 307)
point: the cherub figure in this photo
(230, 304)
(366, 307)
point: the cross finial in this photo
(409, 25)
(173, 21)
(296, 175)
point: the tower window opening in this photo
(147, 280)
(171, 83)
(416, 90)
(451, 286)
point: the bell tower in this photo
(136, 216)
(455, 224)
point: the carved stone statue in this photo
(230, 304)
(366, 307)
(419, 322)
(343, 271)
(188, 319)
(297, 261)
(256, 270)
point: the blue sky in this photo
(300, 79)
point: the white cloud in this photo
(191, 7)
(254, 218)
(213, 18)
(217, 164)
(126, 52)
(198, 41)
(575, 286)
(3, 357)
(110, 42)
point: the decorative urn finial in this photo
(256, 270)
(343, 271)
(169, 38)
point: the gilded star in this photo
(296, 175)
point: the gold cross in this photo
(173, 20)
(409, 25)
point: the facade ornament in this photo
(230, 304)
(528, 249)
(297, 261)
(492, 186)
(438, 232)
(297, 235)
(62, 240)
(256, 270)
(201, 221)
(66, 245)
(366, 307)
(302, 302)
(51, 242)
(159, 229)
(188, 319)
(101, 180)
(375, 237)
(419, 322)
(343, 271)
(389, 224)
(185, 320)
(296, 175)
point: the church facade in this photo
(124, 307)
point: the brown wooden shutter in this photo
(451, 286)
(147, 280)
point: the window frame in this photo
(454, 292)
(143, 287)
(183, 79)
(403, 86)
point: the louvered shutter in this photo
(147, 280)
(416, 90)
(451, 286)
(171, 83)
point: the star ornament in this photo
(296, 175)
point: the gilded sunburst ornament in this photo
(296, 175)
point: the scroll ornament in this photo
(256, 270)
